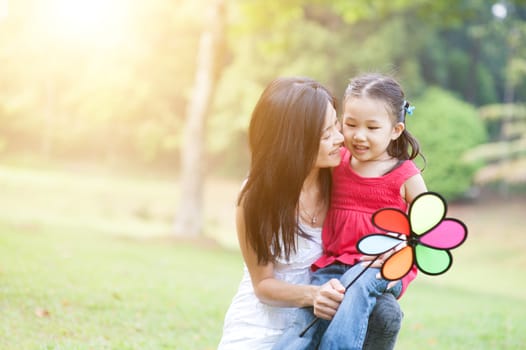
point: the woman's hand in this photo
(328, 298)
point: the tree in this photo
(188, 220)
(446, 127)
(505, 156)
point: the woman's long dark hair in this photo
(284, 138)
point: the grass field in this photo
(86, 262)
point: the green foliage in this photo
(499, 112)
(132, 94)
(446, 128)
(486, 90)
(505, 154)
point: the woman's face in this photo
(331, 141)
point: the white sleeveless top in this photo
(251, 324)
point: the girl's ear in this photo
(398, 130)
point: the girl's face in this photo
(330, 142)
(368, 128)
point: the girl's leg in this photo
(384, 323)
(348, 328)
(291, 338)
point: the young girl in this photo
(376, 171)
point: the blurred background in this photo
(123, 118)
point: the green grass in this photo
(443, 317)
(86, 263)
(77, 290)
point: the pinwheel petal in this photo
(449, 234)
(377, 243)
(392, 220)
(398, 265)
(427, 210)
(432, 261)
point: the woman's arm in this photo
(325, 299)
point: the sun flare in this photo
(87, 19)
(4, 9)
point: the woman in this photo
(294, 138)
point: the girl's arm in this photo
(272, 291)
(414, 186)
(409, 190)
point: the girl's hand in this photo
(328, 298)
(391, 284)
(382, 258)
(380, 261)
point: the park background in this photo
(123, 145)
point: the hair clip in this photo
(408, 108)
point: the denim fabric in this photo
(384, 323)
(350, 328)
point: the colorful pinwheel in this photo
(423, 237)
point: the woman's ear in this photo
(398, 130)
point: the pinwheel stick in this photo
(346, 287)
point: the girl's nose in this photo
(358, 135)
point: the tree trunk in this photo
(48, 125)
(189, 217)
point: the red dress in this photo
(354, 200)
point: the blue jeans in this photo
(369, 317)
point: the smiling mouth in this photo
(360, 148)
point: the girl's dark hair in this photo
(387, 90)
(284, 138)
